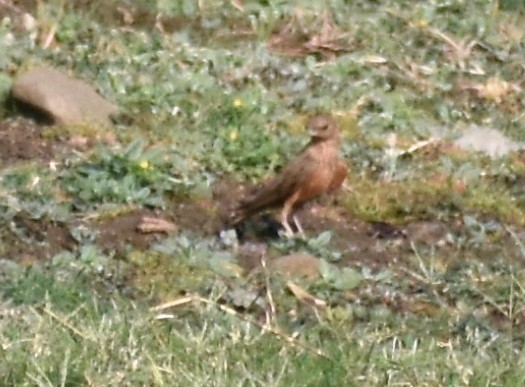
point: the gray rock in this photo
(63, 99)
(487, 140)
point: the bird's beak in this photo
(313, 132)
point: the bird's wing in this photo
(281, 187)
(340, 173)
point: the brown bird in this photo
(315, 171)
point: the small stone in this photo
(79, 142)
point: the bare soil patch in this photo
(23, 140)
(116, 233)
(187, 216)
(30, 240)
(358, 241)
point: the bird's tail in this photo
(234, 217)
(245, 209)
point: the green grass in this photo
(207, 102)
(70, 333)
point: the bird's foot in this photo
(289, 233)
(298, 225)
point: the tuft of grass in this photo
(409, 200)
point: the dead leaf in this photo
(296, 41)
(150, 225)
(494, 89)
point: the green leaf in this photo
(322, 240)
(134, 150)
(341, 279)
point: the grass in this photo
(218, 93)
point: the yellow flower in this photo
(422, 23)
(234, 134)
(237, 102)
(144, 164)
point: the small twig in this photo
(419, 145)
(458, 47)
(305, 297)
(49, 37)
(174, 303)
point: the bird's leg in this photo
(285, 213)
(288, 232)
(298, 225)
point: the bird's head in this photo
(323, 127)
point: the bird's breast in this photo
(321, 176)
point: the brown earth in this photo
(23, 140)
(369, 244)
(373, 246)
(28, 240)
(116, 233)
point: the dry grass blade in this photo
(305, 297)
(237, 4)
(271, 310)
(291, 339)
(458, 51)
(172, 304)
(68, 325)
(419, 145)
(49, 39)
